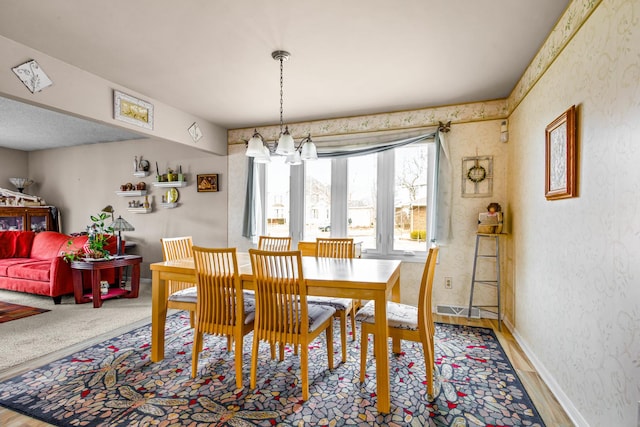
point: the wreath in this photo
(476, 174)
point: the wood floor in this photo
(550, 410)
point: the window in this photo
(381, 200)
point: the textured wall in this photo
(577, 273)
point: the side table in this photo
(95, 267)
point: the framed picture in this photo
(561, 157)
(207, 182)
(129, 109)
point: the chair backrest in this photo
(281, 296)
(176, 248)
(220, 303)
(268, 243)
(334, 247)
(425, 315)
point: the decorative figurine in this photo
(135, 163)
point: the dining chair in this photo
(338, 248)
(406, 322)
(182, 295)
(282, 314)
(222, 308)
(268, 243)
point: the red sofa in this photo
(32, 262)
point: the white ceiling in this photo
(213, 58)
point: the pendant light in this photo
(285, 146)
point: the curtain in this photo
(361, 149)
(443, 191)
(249, 219)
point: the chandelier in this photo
(285, 146)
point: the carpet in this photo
(114, 383)
(9, 312)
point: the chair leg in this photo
(238, 358)
(353, 323)
(192, 318)
(281, 345)
(255, 348)
(229, 343)
(364, 337)
(343, 334)
(272, 346)
(304, 371)
(329, 333)
(195, 351)
(428, 365)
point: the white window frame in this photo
(385, 204)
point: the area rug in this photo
(9, 312)
(114, 383)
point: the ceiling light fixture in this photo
(285, 146)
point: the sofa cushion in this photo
(5, 263)
(16, 244)
(34, 270)
(48, 244)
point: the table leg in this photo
(158, 316)
(95, 288)
(78, 291)
(381, 352)
(135, 281)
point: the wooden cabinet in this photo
(36, 218)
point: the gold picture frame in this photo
(561, 157)
(129, 109)
(207, 182)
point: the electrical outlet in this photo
(447, 282)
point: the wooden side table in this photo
(95, 268)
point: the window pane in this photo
(410, 205)
(317, 199)
(361, 200)
(278, 197)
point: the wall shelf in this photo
(132, 193)
(170, 184)
(140, 210)
(141, 174)
(169, 205)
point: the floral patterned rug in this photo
(114, 383)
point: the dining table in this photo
(358, 278)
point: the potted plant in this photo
(98, 236)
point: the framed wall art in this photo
(477, 176)
(207, 182)
(195, 132)
(129, 109)
(32, 76)
(561, 157)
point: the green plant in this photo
(98, 236)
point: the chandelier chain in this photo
(281, 94)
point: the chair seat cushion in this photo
(340, 304)
(185, 295)
(400, 316)
(318, 314)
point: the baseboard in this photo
(573, 413)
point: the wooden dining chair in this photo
(338, 248)
(182, 295)
(282, 314)
(406, 322)
(222, 309)
(268, 243)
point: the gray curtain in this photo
(443, 191)
(249, 219)
(360, 149)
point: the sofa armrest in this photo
(60, 277)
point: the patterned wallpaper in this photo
(577, 275)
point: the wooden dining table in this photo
(368, 279)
